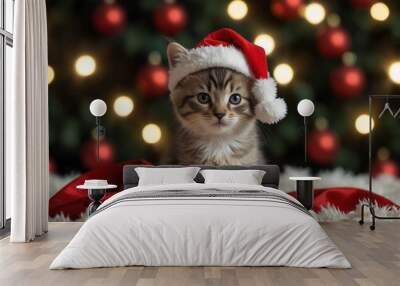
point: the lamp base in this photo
(96, 195)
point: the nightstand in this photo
(96, 190)
(305, 190)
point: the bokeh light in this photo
(394, 72)
(237, 10)
(123, 106)
(50, 74)
(379, 11)
(283, 73)
(333, 20)
(349, 58)
(265, 41)
(314, 13)
(151, 133)
(362, 124)
(154, 58)
(85, 65)
(383, 154)
(321, 123)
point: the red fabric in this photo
(345, 198)
(255, 55)
(72, 202)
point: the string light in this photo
(50, 74)
(314, 13)
(362, 124)
(123, 106)
(265, 41)
(283, 73)
(237, 10)
(379, 11)
(85, 65)
(394, 72)
(151, 133)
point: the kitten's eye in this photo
(235, 99)
(203, 98)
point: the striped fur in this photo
(204, 138)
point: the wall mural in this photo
(177, 93)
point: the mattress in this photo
(201, 225)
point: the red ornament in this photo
(322, 146)
(109, 19)
(333, 42)
(89, 154)
(153, 80)
(347, 81)
(170, 19)
(287, 9)
(388, 167)
(362, 3)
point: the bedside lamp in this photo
(305, 108)
(96, 189)
(98, 108)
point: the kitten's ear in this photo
(174, 52)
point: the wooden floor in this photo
(375, 257)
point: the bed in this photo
(198, 224)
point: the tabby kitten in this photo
(216, 111)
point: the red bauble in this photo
(347, 81)
(322, 146)
(89, 154)
(388, 167)
(287, 9)
(170, 19)
(362, 3)
(109, 19)
(153, 80)
(333, 42)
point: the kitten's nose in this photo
(219, 115)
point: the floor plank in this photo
(375, 257)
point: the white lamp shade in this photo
(98, 107)
(305, 107)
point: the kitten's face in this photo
(214, 101)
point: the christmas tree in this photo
(334, 53)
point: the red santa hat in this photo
(226, 48)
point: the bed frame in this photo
(270, 179)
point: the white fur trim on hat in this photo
(202, 58)
(269, 109)
(265, 89)
(271, 112)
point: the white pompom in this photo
(268, 109)
(271, 111)
(305, 107)
(265, 89)
(98, 107)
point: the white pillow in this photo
(163, 176)
(248, 177)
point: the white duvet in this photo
(200, 231)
